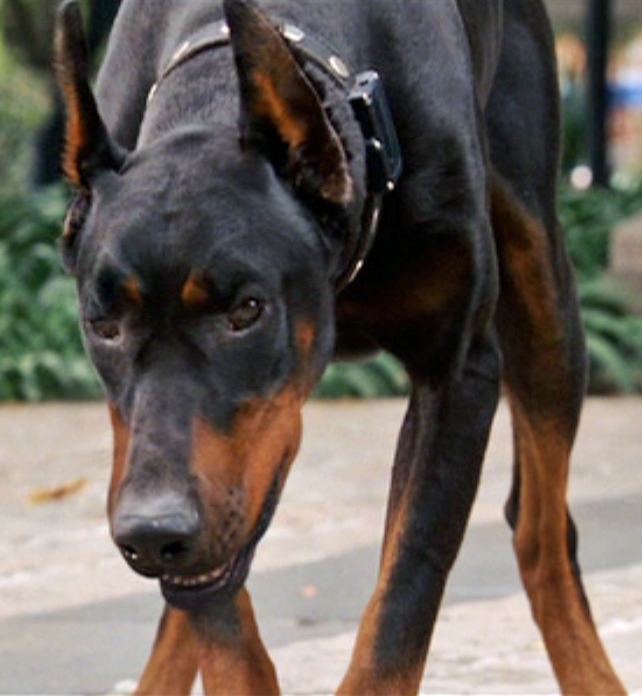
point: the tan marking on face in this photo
(196, 292)
(122, 438)
(306, 335)
(262, 445)
(133, 290)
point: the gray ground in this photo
(75, 620)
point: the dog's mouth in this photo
(188, 592)
(219, 576)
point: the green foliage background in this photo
(23, 101)
(41, 353)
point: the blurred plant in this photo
(41, 352)
(31, 111)
(23, 103)
(613, 338)
(588, 218)
(379, 377)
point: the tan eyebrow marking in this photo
(196, 291)
(133, 290)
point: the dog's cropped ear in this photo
(281, 113)
(89, 148)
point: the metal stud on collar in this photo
(292, 33)
(339, 67)
(180, 52)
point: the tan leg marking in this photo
(577, 655)
(173, 664)
(543, 371)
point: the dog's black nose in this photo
(157, 539)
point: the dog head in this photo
(204, 270)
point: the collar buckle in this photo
(383, 152)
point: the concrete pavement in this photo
(75, 620)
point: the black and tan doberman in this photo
(263, 186)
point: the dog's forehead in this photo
(192, 190)
(192, 203)
(193, 172)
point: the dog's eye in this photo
(245, 314)
(106, 329)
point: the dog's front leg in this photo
(172, 666)
(231, 655)
(435, 479)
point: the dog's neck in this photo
(202, 90)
